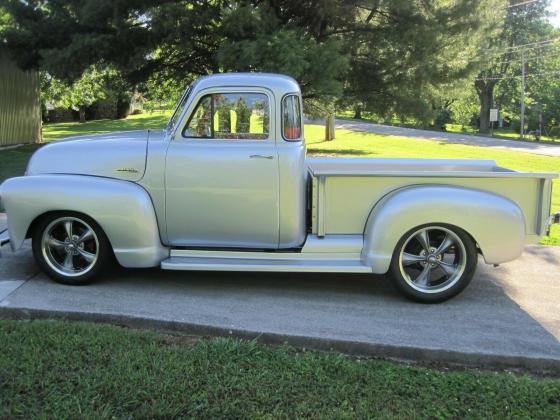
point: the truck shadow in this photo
(504, 310)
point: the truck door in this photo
(221, 175)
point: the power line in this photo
(522, 3)
(546, 73)
(538, 57)
(535, 44)
(518, 50)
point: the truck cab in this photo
(234, 152)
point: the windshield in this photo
(180, 106)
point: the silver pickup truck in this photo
(227, 186)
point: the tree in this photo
(394, 57)
(66, 37)
(407, 57)
(267, 36)
(522, 25)
(543, 87)
(465, 107)
(92, 86)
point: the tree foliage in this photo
(407, 57)
(522, 25)
(257, 39)
(93, 85)
(391, 57)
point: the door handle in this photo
(261, 157)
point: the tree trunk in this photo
(485, 90)
(82, 111)
(485, 105)
(329, 127)
(358, 112)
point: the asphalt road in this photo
(508, 316)
(540, 148)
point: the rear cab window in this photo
(291, 118)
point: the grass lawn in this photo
(53, 369)
(347, 143)
(152, 121)
(452, 128)
(500, 133)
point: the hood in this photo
(119, 155)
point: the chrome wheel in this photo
(70, 246)
(432, 259)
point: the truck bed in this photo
(344, 190)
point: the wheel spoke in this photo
(69, 261)
(55, 243)
(448, 268)
(445, 245)
(68, 228)
(424, 278)
(88, 256)
(424, 239)
(409, 259)
(85, 236)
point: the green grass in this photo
(499, 132)
(53, 369)
(347, 143)
(451, 128)
(153, 121)
(13, 161)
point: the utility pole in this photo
(522, 131)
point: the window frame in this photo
(300, 138)
(229, 91)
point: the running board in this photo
(262, 264)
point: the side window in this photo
(236, 116)
(291, 118)
(200, 122)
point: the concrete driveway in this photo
(541, 148)
(508, 317)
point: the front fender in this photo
(123, 209)
(496, 223)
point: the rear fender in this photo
(497, 224)
(123, 209)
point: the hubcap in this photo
(70, 246)
(432, 259)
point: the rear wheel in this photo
(70, 248)
(433, 263)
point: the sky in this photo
(555, 8)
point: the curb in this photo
(355, 348)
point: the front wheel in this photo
(433, 263)
(70, 248)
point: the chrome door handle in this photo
(261, 157)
